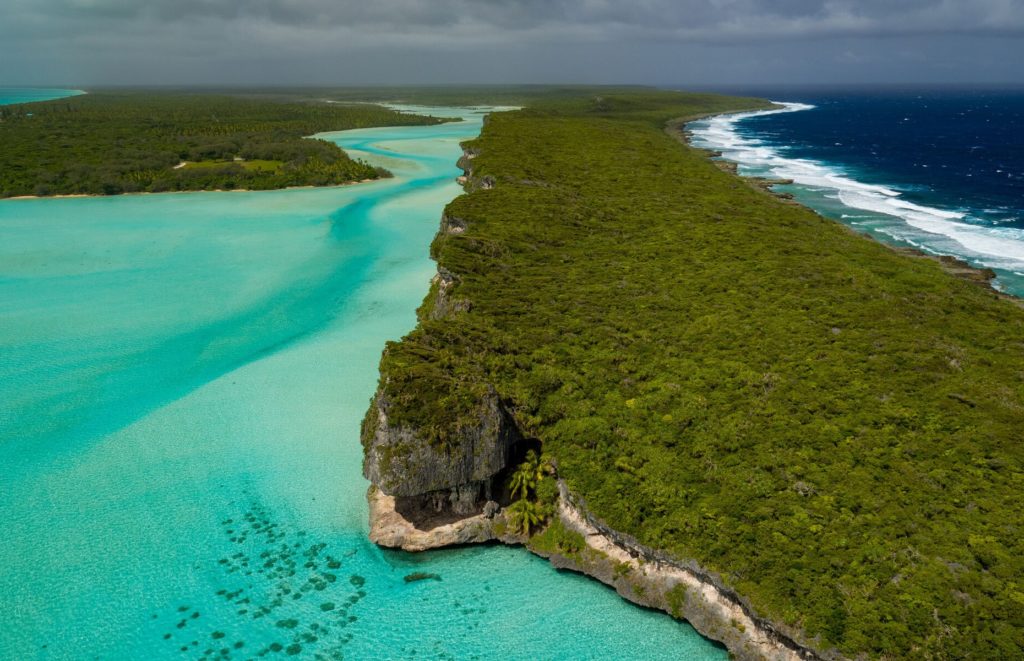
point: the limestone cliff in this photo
(431, 480)
(684, 589)
(402, 462)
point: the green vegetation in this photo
(833, 427)
(556, 538)
(525, 515)
(529, 510)
(676, 598)
(257, 165)
(524, 480)
(108, 143)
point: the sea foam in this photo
(941, 231)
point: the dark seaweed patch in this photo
(283, 565)
(421, 576)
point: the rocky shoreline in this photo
(686, 591)
(955, 266)
(643, 576)
(392, 529)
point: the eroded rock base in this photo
(636, 573)
(392, 528)
(685, 593)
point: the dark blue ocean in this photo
(941, 170)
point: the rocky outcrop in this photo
(445, 301)
(401, 462)
(653, 579)
(469, 180)
(957, 267)
(426, 494)
(453, 225)
(465, 162)
(394, 529)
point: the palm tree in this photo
(524, 515)
(528, 474)
(521, 483)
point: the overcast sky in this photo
(667, 42)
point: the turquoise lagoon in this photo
(183, 378)
(12, 95)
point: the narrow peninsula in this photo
(726, 406)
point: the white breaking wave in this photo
(1001, 247)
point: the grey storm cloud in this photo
(108, 38)
(707, 19)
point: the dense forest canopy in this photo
(833, 426)
(122, 142)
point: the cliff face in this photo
(444, 283)
(429, 481)
(428, 494)
(401, 462)
(685, 590)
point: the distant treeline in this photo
(436, 95)
(109, 143)
(470, 95)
